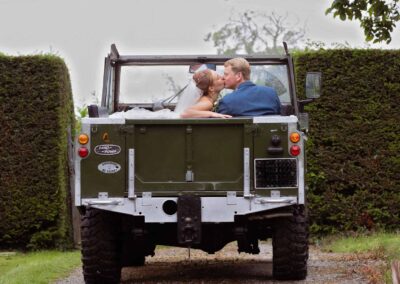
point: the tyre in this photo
(100, 247)
(290, 246)
(138, 261)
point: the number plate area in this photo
(273, 173)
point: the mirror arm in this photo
(302, 103)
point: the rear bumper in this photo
(213, 209)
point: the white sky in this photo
(81, 31)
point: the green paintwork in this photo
(165, 150)
(92, 180)
(262, 139)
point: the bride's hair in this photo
(203, 80)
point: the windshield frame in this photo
(114, 62)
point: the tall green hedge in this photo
(354, 142)
(36, 110)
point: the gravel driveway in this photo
(172, 265)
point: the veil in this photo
(189, 97)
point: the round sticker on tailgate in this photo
(107, 149)
(109, 167)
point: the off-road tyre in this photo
(138, 260)
(290, 246)
(100, 246)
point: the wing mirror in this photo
(313, 91)
(313, 85)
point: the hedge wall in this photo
(354, 142)
(36, 109)
(353, 160)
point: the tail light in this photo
(83, 139)
(295, 150)
(83, 152)
(294, 137)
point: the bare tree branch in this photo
(253, 32)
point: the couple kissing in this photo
(247, 99)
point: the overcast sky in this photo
(81, 31)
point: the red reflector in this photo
(83, 152)
(295, 150)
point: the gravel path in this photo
(172, 265)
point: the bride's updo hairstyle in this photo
(203, 80)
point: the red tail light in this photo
(295, 150)
(83, 152)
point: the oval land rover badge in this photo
(107, 149)
(109, 167)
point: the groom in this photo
(247, 99)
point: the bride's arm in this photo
(202, 109)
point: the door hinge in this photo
(127, 129)
(252, 128)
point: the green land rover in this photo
(142, 181)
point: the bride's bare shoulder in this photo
(206, 100)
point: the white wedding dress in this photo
(189, 97)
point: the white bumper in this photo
(213, 209)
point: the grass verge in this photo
(385, 246)
(37, 267)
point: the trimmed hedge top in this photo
(35, 111)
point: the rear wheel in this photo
(138, 260)
(100, 247)
(290, 246)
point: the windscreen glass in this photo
(154, 83)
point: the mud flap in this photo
(245, 236)
(189, 220)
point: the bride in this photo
(199, 101)
(196, 101)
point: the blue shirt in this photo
(250, 100)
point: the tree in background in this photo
(253, 32)
(377, 17)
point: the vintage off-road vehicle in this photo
(198, 183)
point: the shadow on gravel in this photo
(198, 271)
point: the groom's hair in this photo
(239, 64)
